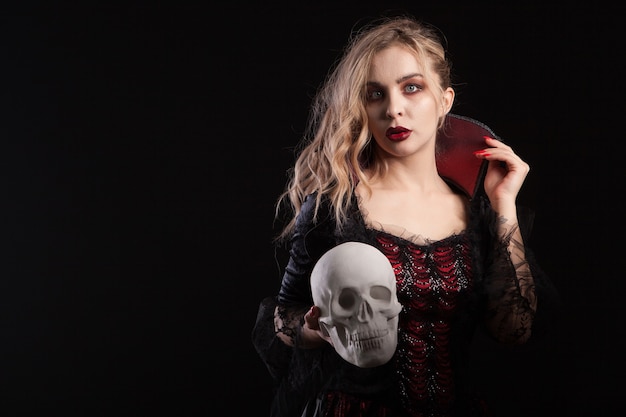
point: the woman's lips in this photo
(398, 134)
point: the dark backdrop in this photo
(143, 148)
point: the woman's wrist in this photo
(507, 212)
(308, 338)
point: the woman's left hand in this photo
(506, 173)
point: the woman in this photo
(367, 172)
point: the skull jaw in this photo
(368, 347)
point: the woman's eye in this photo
(412, 88)
(374, 95)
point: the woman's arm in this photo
(511, 301)
(285, 325)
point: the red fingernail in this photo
(488, 137)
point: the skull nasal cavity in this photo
(365, 311)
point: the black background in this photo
(143, 147)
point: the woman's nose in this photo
(394, 108)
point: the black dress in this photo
(447, 289)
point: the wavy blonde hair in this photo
(337, 145)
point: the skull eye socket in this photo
(347, 299)
(381, 293)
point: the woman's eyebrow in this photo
(408, 77)
(399, 80)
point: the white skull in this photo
(354, 286)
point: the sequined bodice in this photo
(433, 283)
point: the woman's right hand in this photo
(312, 335)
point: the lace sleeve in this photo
(509, 283)
(280, 318)
(514, 284)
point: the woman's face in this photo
(403, 109)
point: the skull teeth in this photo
(369, 340)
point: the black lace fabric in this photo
(510, 288)
(475, 279)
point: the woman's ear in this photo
(447, 100)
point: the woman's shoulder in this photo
(314, 206)
(318, 215)
(314, 212)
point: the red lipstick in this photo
(398, 133)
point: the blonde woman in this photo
(367, 171)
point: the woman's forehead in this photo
(396, 60)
